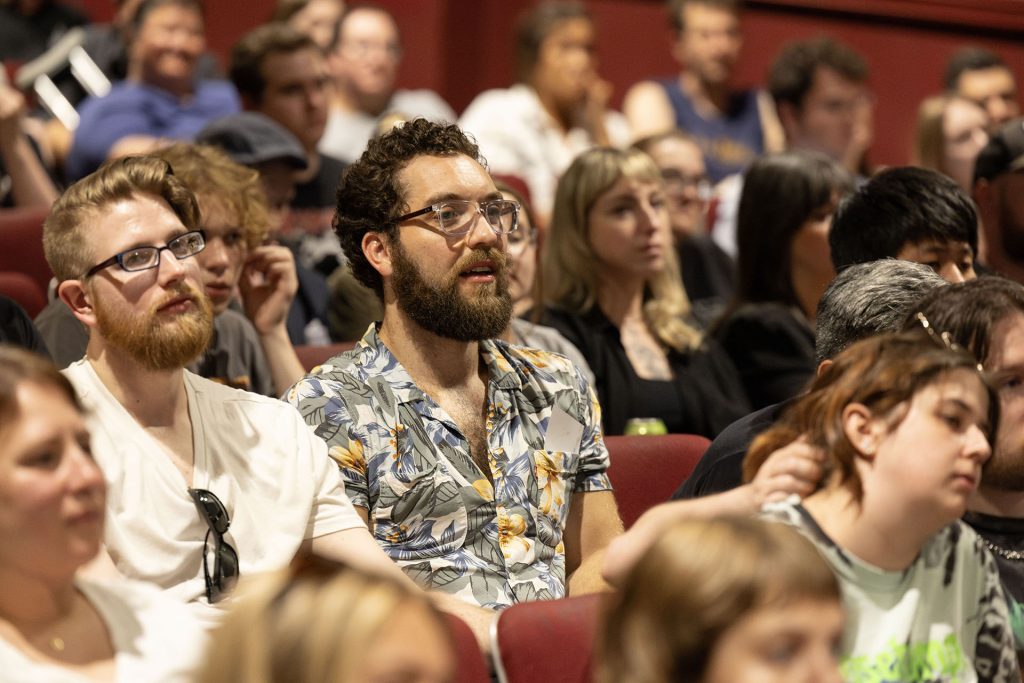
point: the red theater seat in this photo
(547, 640)
(646, 470)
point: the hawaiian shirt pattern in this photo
(431, 508)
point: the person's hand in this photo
(268, 286)
(595, 106)
(794, 468)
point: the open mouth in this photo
(483, 271)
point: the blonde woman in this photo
(612, 287)
(950, 133)
(727, 600)
(319, 622)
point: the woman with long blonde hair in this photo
(612, 287)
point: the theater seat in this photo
(21, 244)
(24, 290)
(546, 640)
(313, 355)
(646, 470)
(470, 664)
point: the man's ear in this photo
(377, 249)
(863, 429)
(822, 367)
(77, 297)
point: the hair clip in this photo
(944, 338)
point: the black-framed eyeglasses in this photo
(225, 572)
(144, 258)
(455, 216)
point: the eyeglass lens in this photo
(455, 215)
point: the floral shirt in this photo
(430, 506)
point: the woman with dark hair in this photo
(613, 289)
(905, 422)
(783, 268)
(56, 625)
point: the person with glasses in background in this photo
(709, 274)
(56, 622)
(205, 482)
(479, 465)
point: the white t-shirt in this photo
(943, 618)
(254, 453)
(517, 136)
(155, 639)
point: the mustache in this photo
(500, 259)
(182, 290)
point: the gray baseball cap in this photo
(250, 138)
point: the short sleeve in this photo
(332, 509)
(594, 459)
(328, 418)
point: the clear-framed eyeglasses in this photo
(144, 258)
(455, 216)
(677, 181)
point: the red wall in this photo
(460, 47)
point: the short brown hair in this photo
(214, 177)
(881, 373)
(698, 580)
(247, 55)
(370, 198)
(792, 73)
(65, 240)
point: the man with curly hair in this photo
(479, 466)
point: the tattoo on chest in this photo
(645, 355)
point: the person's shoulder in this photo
(423, 102)
(349, 368)
(506, 101)
(550, 370)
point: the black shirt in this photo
(705, 383)
(721, 467)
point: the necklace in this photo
(1015, 555)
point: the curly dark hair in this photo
(369, 196)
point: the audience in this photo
(863, 300)
(248, 351)
(997, 193)
(282, 74)
(613, 289)
(908, 213)
(728, 600)
(784, 267)
(479, 465)
(905, 424)
(950, 132)
(709, 274)
(983, 77)
(732, 128)
(819, 87)
(364, 57)
(558, 108)
(320, 622)
(205, 482)
(55, 623)
(160, 97)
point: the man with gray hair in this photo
(862, 300)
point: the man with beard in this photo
(479, 465)
(204, 482)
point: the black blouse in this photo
(704, 396)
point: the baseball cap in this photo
(250, 138)
(1003, 153)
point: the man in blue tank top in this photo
(732, 127)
